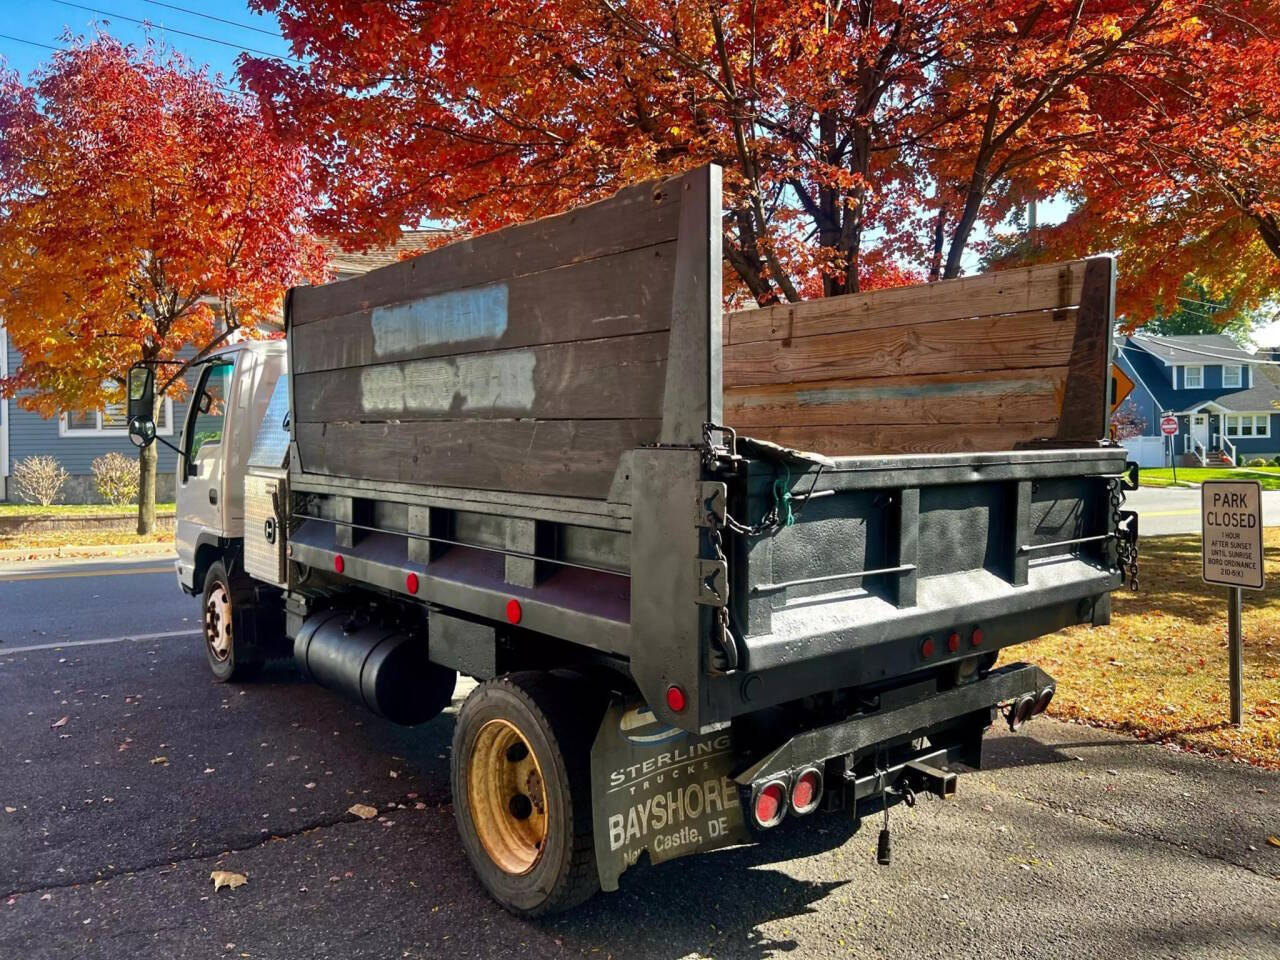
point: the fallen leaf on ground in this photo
(160, 760)
(225, 878)
(59, 723)
(1273, 841)
(10, 809)
(363, 811)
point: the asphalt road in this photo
(1165, 511)
(1072, 843)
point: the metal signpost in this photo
(1231, 541)
(1169, 427)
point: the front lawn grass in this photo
(1268, 477)
(1160, 669)
(75, 510)
(82, 538)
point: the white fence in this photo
(1147, 451)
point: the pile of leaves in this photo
(1160, 669)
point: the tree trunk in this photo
(147, 458)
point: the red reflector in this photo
(769, 805)
(804, 795)
(976, 637)
(514, 613)
(338, 563)
(926, 648)
(676, 699)
(953, 642)
(411, 583)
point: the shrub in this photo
(116, 477)
(39, 480)
(1257, 462)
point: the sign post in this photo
(1169, 427)
(1231, 545)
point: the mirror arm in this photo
(181, 455)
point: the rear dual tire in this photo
(521, 778)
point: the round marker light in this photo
(953, 642)
(806, 791)
(976, 637)
(339, 564)
(676, 700)
(1021, 711)
(770, 804)
(514, 613)
(411, 582)
(1042, 701)
(926, 648)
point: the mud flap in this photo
(658, 788)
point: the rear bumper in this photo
(864, 732)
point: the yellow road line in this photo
(67, 574)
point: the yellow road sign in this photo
(1121, 387)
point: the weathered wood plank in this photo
(860, 438)
(947, 346)
(612, 379)
(560, 457)
(1086, 407)
(635, 217)
(627, 293)
(1048, 287)
(1031, 395)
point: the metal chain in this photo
(1126, 549)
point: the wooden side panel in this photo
(981, 363)
(526, 360)
(564, 457)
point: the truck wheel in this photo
(222, 594)
(521, 778)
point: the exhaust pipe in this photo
(379, 666)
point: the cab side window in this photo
(210, 402)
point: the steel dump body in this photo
(521, 432)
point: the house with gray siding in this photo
(75, 440)
(1227, 406)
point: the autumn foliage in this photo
(864, 142)
(145, 214)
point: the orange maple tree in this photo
(146, 216)
(864, 142)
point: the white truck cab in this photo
(232, 389)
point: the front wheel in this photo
(521, 778)
(229, 654)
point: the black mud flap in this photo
(658, 788)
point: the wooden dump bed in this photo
(532, 359)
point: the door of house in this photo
(1200, 429)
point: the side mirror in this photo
(142, 431)
(142, 405)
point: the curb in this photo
(104, 552)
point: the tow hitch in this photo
(927, 779)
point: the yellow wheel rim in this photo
(507, 796)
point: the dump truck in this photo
(710, 572)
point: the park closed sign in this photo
(1231, 525)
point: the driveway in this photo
(1072, 843)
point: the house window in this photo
(1248, 424)
(1192, 378)
(1231, 376)
(111, 420)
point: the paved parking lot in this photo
(1072, 843)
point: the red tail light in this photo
(806, 791)
(770, 804)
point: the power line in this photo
(46, 46)
(209, 16)
(184, 33)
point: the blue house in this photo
(1227, 406)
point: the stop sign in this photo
(1169, 425)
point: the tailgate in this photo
(901, 564)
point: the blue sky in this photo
(218, 45)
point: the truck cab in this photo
(231, 389)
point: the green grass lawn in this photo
(75, 509)
(1268, 477)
